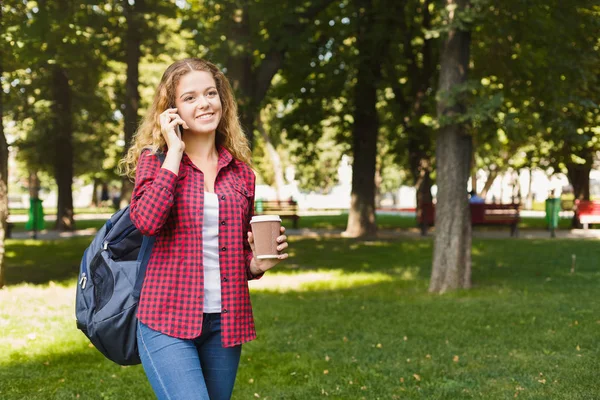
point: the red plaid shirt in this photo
(170, 207)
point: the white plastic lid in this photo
(265, 218)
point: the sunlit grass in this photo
(315, 280)
(42, 316)
(44, 356)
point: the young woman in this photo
(194, 312)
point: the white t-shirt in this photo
(210, 240)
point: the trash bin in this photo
(36, 217)
(259, 206)
(552, 210)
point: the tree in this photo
(133, 41)
(139, 38)
(538, 104)
(411, 74)
(452, 246)
(251, 39)
(312, 96)
(3, 156)
(372, 42)
(58, 68)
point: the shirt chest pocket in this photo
(242, 196)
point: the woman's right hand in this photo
(169, 127)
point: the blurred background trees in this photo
(315, 80)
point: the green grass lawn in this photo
(340, 221)
(343, 319)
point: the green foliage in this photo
(537, 57)
(54, 36)
(531, 100)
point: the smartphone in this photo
(180, 127)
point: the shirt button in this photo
(223, 197)
(222, 222)
(224, 311)
(223, 248)
(245, 192)
(225, 279)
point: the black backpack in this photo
(108, 290)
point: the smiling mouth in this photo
(205, 116)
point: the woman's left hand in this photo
(257, 266)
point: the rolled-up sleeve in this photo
(153, 194)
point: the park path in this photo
(479, 234)
(413, 233)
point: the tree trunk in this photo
(493, 173)
(361, 217)
(34, 185)
(579, 178)
(274, 157)
(242, 75)
(95, 202)
(247, 117)
(3, 182)
(373, 52)
(135, 19)
(529, 198)
(63, 152)
(250, 81)
(3, 213)
(421, 171)
(419, 135)
(251, 84)
(452, 246)
(516, 194)
(378, 181)
(474, 177)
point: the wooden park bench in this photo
(481, 214)
(587, 212)
(286, 209)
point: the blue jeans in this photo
(182, 369)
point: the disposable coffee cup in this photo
(266, 229)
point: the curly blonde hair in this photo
(148, 136)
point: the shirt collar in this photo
(225, 158)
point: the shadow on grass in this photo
(39, 262)
(532, 261)
(80, 224)
(351, 255)
(497, 261)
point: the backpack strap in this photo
(145, 250)
(143, 258)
